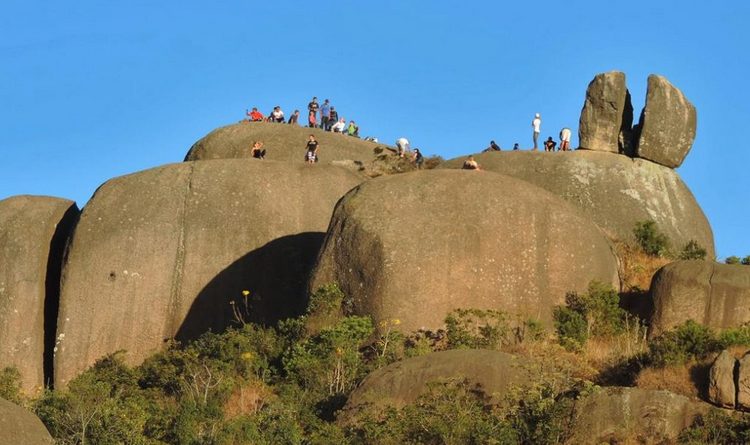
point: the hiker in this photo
(277, 115)
(565, 139)
(470, 164)
(493, 147)
(256, 151)
(515, 147)
(312, 150)
(352, 129)
(294, 118)
(332, 119)
(549, 144)
(418, 158)
(339, 126)
(325, 115)
(537, 124)
(255, 115)
(312, 109)
(402, 144)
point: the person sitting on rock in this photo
(255, 115)
(352, 129)
(549, 144)
(402, 144)
(515, 146)
(470, 164)
(339, 126)
(565, 139)
(493, 147)
(256, 151)
(312, 150)
(277, 115)
(294, 118)
(418, 158)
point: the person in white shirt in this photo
(402, 144)
(277, 114)
(565, 139)
(537, 124)
(339, 126)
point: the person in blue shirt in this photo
(325, 116)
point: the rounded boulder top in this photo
(282, 142)
(19, 426)
(416, 246)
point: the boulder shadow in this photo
(276, 277)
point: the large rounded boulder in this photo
(416, 246)
(613, 191)
(401, 383)
(282, 142)
(712, 294)
(21, 427)
(168, 252)
(33, 233)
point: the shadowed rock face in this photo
(20, 427)
(282, 142)
(613, 191)
(627, 415)
(607, 115)
(712, 294)
(667, 125)
(33, 234)
(415, 246)
(162, 253)
(401, 383)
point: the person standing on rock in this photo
(325, 115)
(312, 109)
(565, 139)
(418, 158)
(537, 124)
(402, 144)
(312, 150)
(332, 119)
(515, 147)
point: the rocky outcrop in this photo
(401, 383)
(607, 115)
(712, 294)
(632, 415)
(21, 427)
(743, 382)
(667, 125)
(282, 143)
(165, 252)
(613, 191)
(416, 246)
(721, 384)
(33, 233)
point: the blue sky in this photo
(90, 90)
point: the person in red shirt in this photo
(255, 115)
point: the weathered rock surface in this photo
(401, 383)
(33, 234)
(416, 246)
(607, 115)
(632, 415)
(721, 385)
(667, 125)
(743, 383)
(162, 253)
(712, 294)
(21, 427)
(613, 191)
(282, 142)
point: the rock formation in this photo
(282, 143)
(607, 115)
(613, 191)
(712, 294)
(163, 252)
(21, 427)
(33, 233)
(743, 382)
(722, 390)
(401, 383)
(415, 246)
(667, 125)
(632, 415)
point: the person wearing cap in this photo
(565, 139)
(537, 124)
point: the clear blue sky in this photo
(90, 90)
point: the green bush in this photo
(732, 260)
(650, 239)
(688, 341)
(746, 261)
(596, 313)
(717, 428)
(571, 327)
(10, 385)
(692, 251)
(477, 329)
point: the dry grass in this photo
(637, 268)
(248, 399)
(688, 380)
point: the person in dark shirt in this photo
(515, 146)
(549, 144)
(418, 158)
(257, 151)
(333, 119)
(294, 118)
(493, 147)
(312, 150)
(312, 109)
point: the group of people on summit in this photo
(549, 144)
(323, 116)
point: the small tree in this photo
(692, 251)
(732, 260)
(651, 240)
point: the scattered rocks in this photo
(607, 115)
